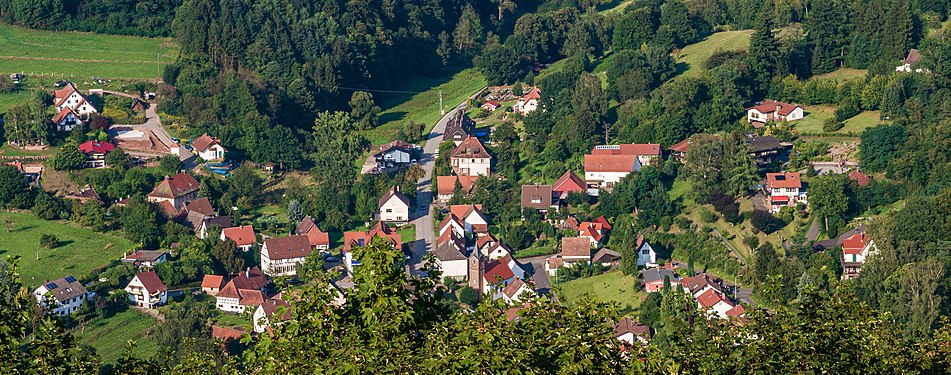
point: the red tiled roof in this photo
(168, 208)
(737, 311)
(287, 247)
(710, 298)
(854, 244)
(769, 106)
(242, 236)
(571, 223)
(446, 185)
(593, 230)
(176, 186)
(575, 247)
(604, 222)
(308, 228)
(271, 306)
(202, 143)
(534, 93)
(609, 163)
(93, 147)
(226, 333)
(202, 206)
(151, 282)
(354, 238)
(783, 180)
(630, 149)
(628, 325)
(860, 178)
(514, 287)
(212, 281)
(462, 211)
(245, 296)
(569, 182)
(498, 270)
(913, 56)
(681, 146)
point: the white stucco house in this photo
(645, 252)
(785, 189)
(394, 207)
(280, 255)
(147, 290)
(471, 158)
(62, 296)
(209, 148)
(528, 103)
(772, 110)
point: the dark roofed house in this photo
(630, 331)
(765, 149)
(85, 194)
(67, 293)
(471, 158)
(538, 197)
(606, 257)
(907, 66)
(459, 128)
(147, 290)
(202, 206)
(654, 279)
(146, 258)
(272, 312)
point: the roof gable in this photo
(287, 247)
(471, 147)
(569, 182)
(151, 282)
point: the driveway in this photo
(425, 232)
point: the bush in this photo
(751, 242)
(683, 222)
(69, 158)
(580, 270)
(707, 216)
(49, 241)
(468, 296)
(720, 57)
(726, 206)
(830, 125)
(764, 221)
(847, 109)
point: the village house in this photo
(855, 251)
(211, 284)
(491, 248)
(32, 173)
(516, 291)
(606, 257)
(784, 189)
(528, 103)
(96, 153)
(714, 303)
(490, 105)
(646, 256)
(72, 107)
(499, 273)
(630, 332)
(146, 290)
(446, 186)
(272, 312)
(566, 184)
(537, 197)
(138, 105)
(85, 194)
(319, 240)
(471, 158)
(711, 298)
(174, 192)
(608, 164)
(363, 238)
(594, 231)
(67, 119)
(471, 217)
(451, 255)
(209, 148)
(280, 255)
(394, 207)
(459, 128)
(766, 149)
(772, 110)
(679, 150)
(146, 258)
(62, 296)
(653, 279)
(573, 250)
(243, 236)
(396, 154)
(242, 293)
(207, 223)
(910, 63)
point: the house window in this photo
(536, 200)
(388, 210)
(645, 252)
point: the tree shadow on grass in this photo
(392, 116)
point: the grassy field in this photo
(817, 114)
(422, 107)
(694, 56)
(8, 100)
(82, 55)
(80, 250)
(611, 286)
(843, 74)
(109, 336)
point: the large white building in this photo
(62, 296)
(280, 255)
(785, 189)
(608, 164)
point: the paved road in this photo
(425, 234)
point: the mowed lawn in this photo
(694, 56)
(422, 106)
(80, 250)
(816, 115)
(109, 336)
(613, 286)
(83, 55)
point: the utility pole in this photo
(441, 110)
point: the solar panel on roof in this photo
(51, 286)
(70, 279)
